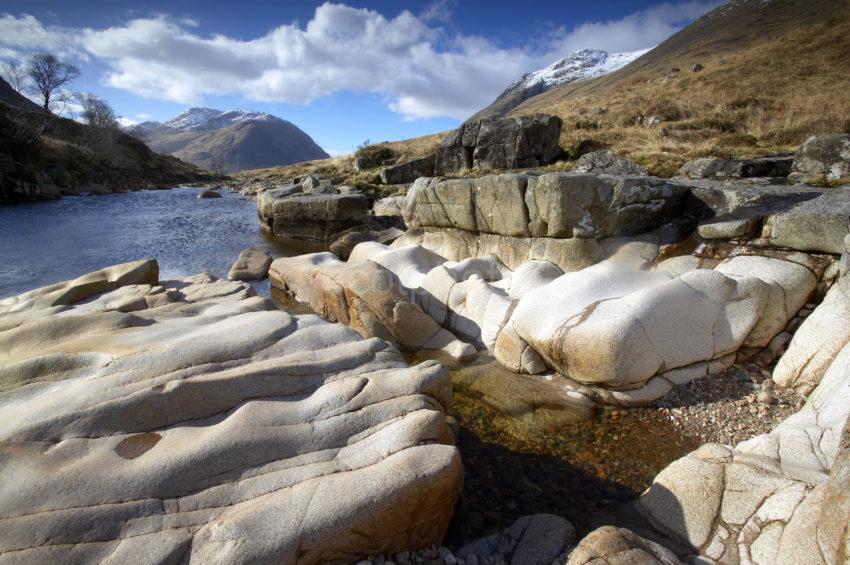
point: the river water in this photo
(57, 240)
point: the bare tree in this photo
(16, 76)
(49, 75)
(96, 111)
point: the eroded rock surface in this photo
(366, 296)
(190, 421)
(823, 157)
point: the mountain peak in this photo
(578, 65)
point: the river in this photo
(57, 240)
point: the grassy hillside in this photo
(46, 157)
(774, 74)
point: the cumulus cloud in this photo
(639, 30)
(422, 70)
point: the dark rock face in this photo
(500, 144)
(708, 168)
(822, 156)
(209, 194)
(408, 171)
(288, 212)
(608, 163)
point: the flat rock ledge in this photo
(147, 421)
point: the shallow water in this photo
(525, 452)
(48, 242)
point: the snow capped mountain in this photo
(206, 119)
(580, 65)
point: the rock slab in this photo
(190, 421)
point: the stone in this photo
(538, 539)
(713, 168)
(408, 171)
(343, 245)
(209, 194)
(251, 265)
(607, 163)
(617, 327)
(552, 205)
(500, 144)
(389, 206)
(728, 227)
(216, 430)
(822, 157)
(366, 296)
(819, 224)
(317, 217)
(817, 341)
(619, 546)
(697, 68)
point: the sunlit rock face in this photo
(151, 422)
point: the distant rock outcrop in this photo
(824, 157)
(500, 144)
(230, 141)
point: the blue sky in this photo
(343, 72)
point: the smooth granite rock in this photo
(206, 426)
(614, 326)
(251, 265)
(366, 296)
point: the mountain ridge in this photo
(577, 66)
(229, 140)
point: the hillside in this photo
(229, 141)
(774, 74)
(580, 65)
(45, 156)
(10, 97)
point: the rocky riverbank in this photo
(642, 370)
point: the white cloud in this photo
(144, 116)
(126, 122)
(419, 68)
(636, 31)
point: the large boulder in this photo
(612, 326)
(500, 144)
(408, 171)
(713, 168)
(251, 265)
(207, 426)
(607, 163)
(540, 539)
(366, 296)
(823, 157)
(553, 205)
(819, 224)
(345, 243)
(287, 212)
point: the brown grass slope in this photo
(775, 73)
(343, 165)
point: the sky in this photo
(343, 72)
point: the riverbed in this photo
(519, 459)
(57, 240)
